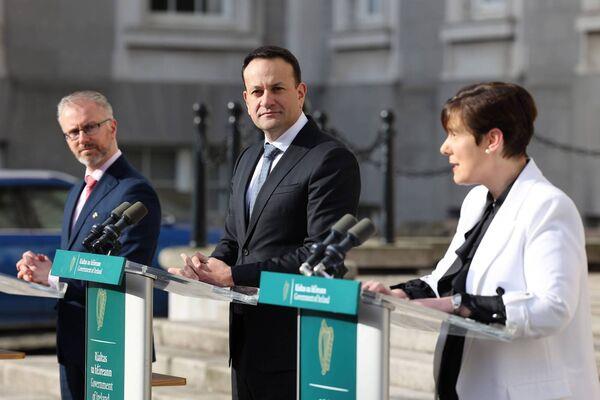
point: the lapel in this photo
(68, 214)
(502, 226)
(246, 169)
(297, 150)
(102, 188)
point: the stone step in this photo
(412, 339)
(17, 376)
(19, 395)
(29, 341)
(203, 370)
(193, 308)
(186, 393)
(400, 393)
(211, 336)
(411, 370)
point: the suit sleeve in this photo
(139, 241)
(333, 191)
(554, 260)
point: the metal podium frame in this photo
(139, 282)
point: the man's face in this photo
(100, 144)
(273, 99)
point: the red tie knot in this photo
(90, 182)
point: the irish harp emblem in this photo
(325, 346)
(100, 307)
(72, 263)
(286, 290)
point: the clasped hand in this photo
(206, 269)
(34, 268)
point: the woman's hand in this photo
(443, 304)
(378, 287)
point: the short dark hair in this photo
(485, 106)
(270, 52)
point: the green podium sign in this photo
(105, 347)
(105, 319)
(327, 329)
(309, 293)
(88, 267)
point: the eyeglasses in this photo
(88, 130)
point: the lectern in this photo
(14, 286)
(343, 333)
(119, 318)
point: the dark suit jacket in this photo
(119, 183)
(315, 182)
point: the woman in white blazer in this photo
(518, 258)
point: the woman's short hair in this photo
(485, 106)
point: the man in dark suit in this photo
(86, 119)
(285, 195)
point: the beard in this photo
(92, 160)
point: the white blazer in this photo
(535, 250)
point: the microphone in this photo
(96, 230)
(338, 230)
(108, 241)
(332, 265)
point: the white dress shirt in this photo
(282, 143)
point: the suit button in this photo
(245, 252)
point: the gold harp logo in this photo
(72, 264)
(100, 307)
(286, 290)
(325, 346)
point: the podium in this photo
(11, 285)
(344, 334)
(119, 319)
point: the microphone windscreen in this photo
(363, 230)
(345, 223)
(135, 213)
(121, 209)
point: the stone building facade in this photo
(154, 58)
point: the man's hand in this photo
(202, 268)
(34, 267)
(378, 287)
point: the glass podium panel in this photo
(411, 315)
(12, 285)
(192, 288)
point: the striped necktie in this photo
(268, 156)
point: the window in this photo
(184, 40)
(588, 28)
(188, 6)
(361, 41)
(353, 15)
(482, 9)
(196, 14)
(369, 12)
(480, 40)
